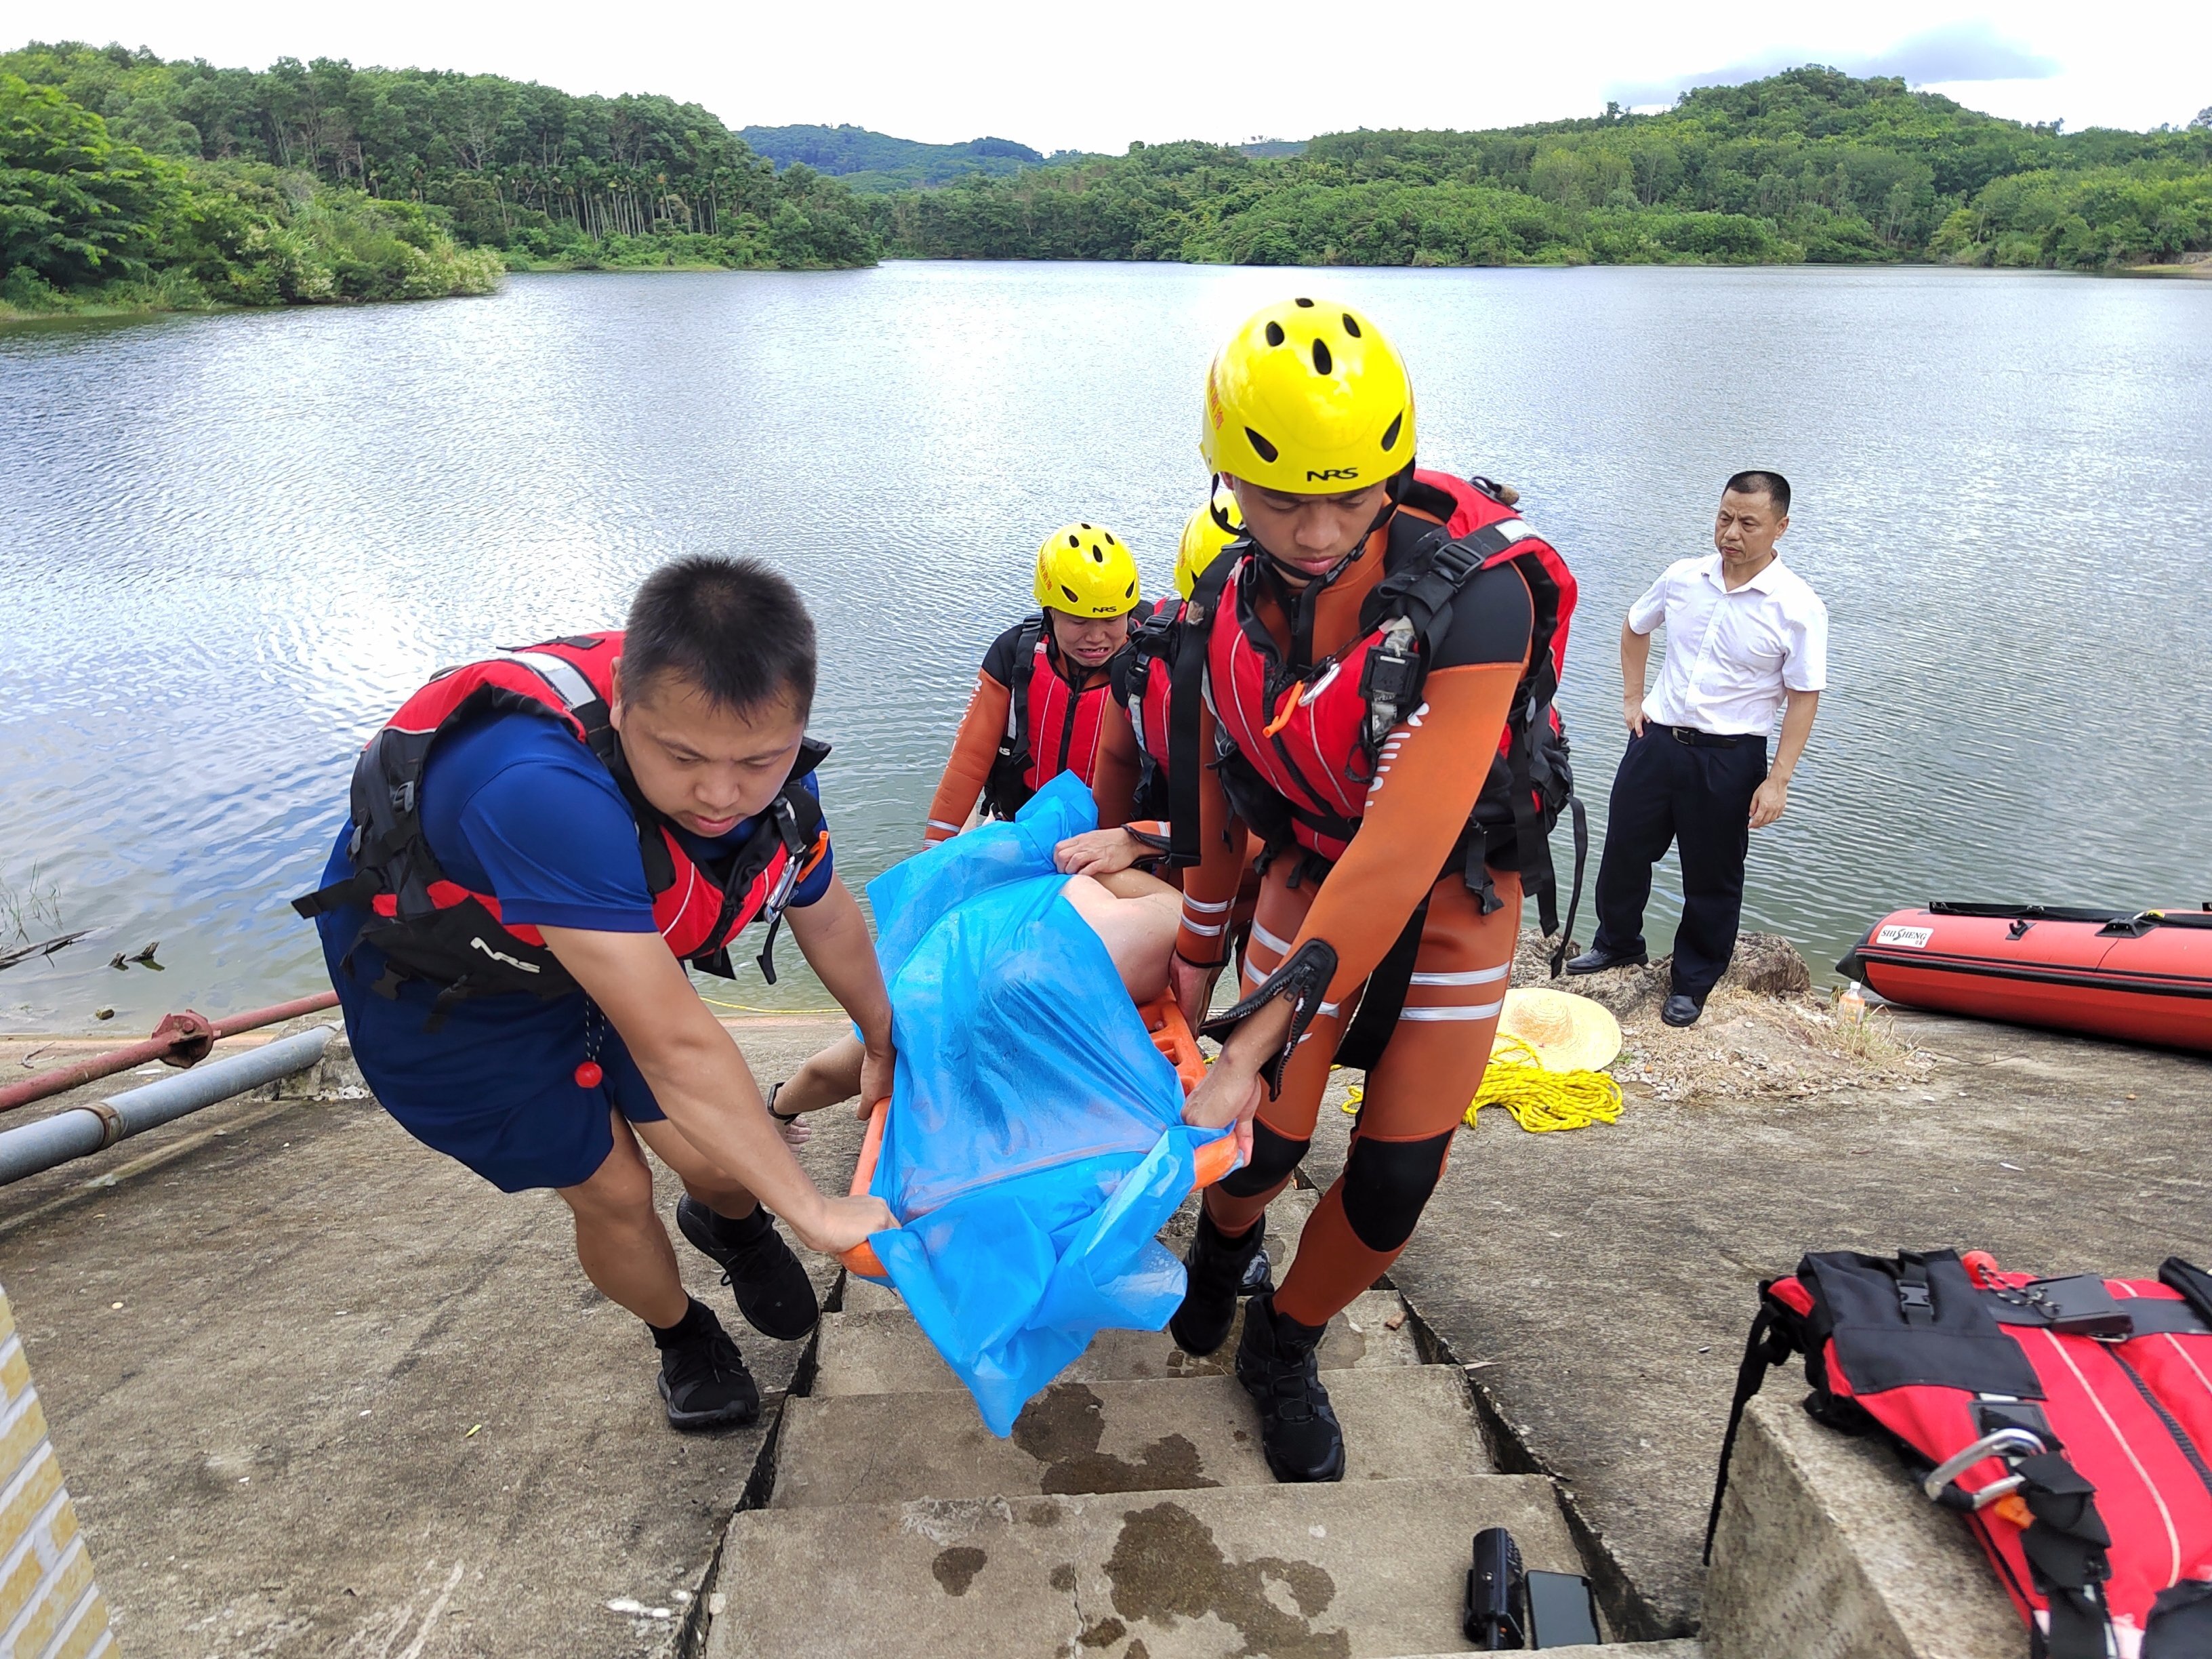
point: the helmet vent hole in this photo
(1130, 591)
(1070, 591)
(1390, 432)
(1352, 325)
(1098, 556)
(1267, 451)
(1308, 304)
(1324, 363)
(1274, 334)
(1074, 540)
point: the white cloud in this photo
(1094, 77)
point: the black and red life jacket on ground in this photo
(431, 929)
(2068, 1420)
(1051, 727)
(1299, 742)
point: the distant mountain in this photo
(876, 161)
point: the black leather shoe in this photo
(1275, 1362)
(1214, 1275)
(772, 1289)
(1679, 1009)
(1596, 961)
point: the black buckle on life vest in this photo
(1303, 978)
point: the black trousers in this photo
(1669, 793)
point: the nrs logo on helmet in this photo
(1307, 398)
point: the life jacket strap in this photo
(1304, 977)
(1375, 1021)
(1004, 790)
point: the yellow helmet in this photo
(1309, 398)
(1086, 572)
(1211, 529)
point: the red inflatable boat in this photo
(2139, 976)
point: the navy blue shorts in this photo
(495, 1086)
(558, 1137)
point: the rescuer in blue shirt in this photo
(539, 842)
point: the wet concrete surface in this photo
(1602, 1281)
(355, 1401)
(1360, 1571)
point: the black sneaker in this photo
(1214, 1276)
(704, 1381)
(1276, 1363)
(771, 1287)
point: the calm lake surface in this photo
(234, 544)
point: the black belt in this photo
(1696, 740)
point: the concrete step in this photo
(885, 1353)
(1143, 1435)
(1826, 1549)
(1365, 1569)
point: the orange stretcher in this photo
(1170, 1035)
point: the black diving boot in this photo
(772, 1291)
(1214, 1274)
(1276, 1363)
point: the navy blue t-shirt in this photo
(514, 807)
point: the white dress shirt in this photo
(1732, 656)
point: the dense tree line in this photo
(178, 179)
(1807, 165)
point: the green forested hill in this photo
(128, 179)
(874, 161)
(1807, 165)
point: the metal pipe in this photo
(178, 1040)
(76, 1131)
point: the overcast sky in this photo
(1094, 77)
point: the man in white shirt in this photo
(1745, 637)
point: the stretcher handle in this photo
(1171, 1035)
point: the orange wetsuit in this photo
(1066, 716)
(1434, 764)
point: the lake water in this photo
(234, 544)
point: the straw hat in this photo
(1570, 1033)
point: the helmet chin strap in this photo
(1394, 495)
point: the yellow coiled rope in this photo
(748, 1008)
(1538, 1100)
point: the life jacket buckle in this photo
(2006, 1443)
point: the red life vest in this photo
(1143, 684)
(2069, 1420)
(433, 929)
(1051, 728)
(1300, 742)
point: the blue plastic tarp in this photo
(1035, 1143)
